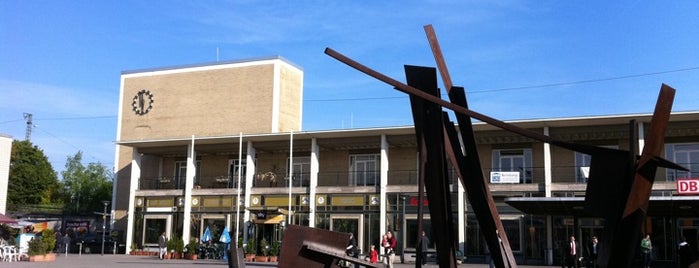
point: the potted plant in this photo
(48, 236)
(274, 251)
(250, 250)
(37, 249)
(170, 249)
(264, 249)
(192, 249)
(178, 246)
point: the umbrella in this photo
(225, 236)
(207, 235)
(6, 219)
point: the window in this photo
(518, 160)
(181, 173)
(236, 169)
(302, 171)
(512, 226)
(364, 169)
(686, 155)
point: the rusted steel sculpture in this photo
(307, 247)
(619, 183)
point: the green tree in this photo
(32, 178)
(84, 188)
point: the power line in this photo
(528, 87)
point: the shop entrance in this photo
(153, 226)
(691, 233)
(348, 224)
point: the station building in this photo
(221, 145)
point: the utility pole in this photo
(28, 132)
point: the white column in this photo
(237, 188)
(382, 186)
(291, 173)
(135, 179)
(549, 240)
(641, 137)
(315, 168)
(249, 177)
(461, 215)
(188, 185)
(547, 166)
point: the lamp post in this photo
(104, 220)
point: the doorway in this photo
(153, 226)
(349, 224)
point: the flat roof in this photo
(195, 65)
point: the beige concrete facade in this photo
(198, 113)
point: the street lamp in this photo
(104, 220)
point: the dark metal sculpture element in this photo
(315, 248)
(619, 185)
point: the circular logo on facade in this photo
(142, 102)
(321, 200)
(255, 200)
(195, 201)
(139, 202)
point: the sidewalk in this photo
(127, 261)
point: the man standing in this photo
(162, 244)
(592, 250)
(571, 251)
(389, 246)
(422, 247)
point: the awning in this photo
(6, 220)
(668, 206)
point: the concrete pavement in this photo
(127, 261)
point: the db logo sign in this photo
(688, 186)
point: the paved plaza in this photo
(126, 261)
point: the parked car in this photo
(92, 243)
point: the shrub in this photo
(264, 246)
(37, 246)
(49, 238)
(178, 244)
(274, 251)
(192, 246)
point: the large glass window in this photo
(302, 171)
(181, 173)
(236, 169)
(364, 169)
(513, 230)
(686, 155)
(517, 160)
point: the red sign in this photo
(688, 186)
(414, 201)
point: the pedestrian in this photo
(65, 241)
(571, 251)
(162, 244)
(592, 251)
(646, 249)
(373, 255)
(352, 249)
(422, 247)
(389, 245)
(686, 256)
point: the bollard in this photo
(80, 249)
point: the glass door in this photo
(349, 224)
(153, 226)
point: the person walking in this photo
(162, 245)
(592, 252)
(352, 249)
(646, 249)
(686, 256)
(389, 245)
(422, 247)
(571, 250)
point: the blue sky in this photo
(61, 60)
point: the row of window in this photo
(364, 169)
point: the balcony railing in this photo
(363, 178)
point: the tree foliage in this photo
(85, 187)
(32, 178)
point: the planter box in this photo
(36, 258)
(249, 257)
(261, 258)
(273, 258)
(50, 257)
